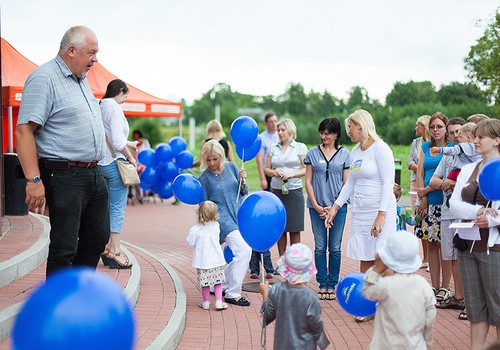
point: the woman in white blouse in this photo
(285, 164)
(117, 130)
(370, 182)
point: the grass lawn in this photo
(400, 152)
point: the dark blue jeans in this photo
(328, 274)
(255, 262)
(79, 216)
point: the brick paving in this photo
(162, 229)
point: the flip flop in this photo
(322, 294)
(330, 295)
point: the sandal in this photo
(463, 315)
(451, 303)
(115, 264)
(330, 295)
(322, 294)
(442, 294)
(239, 302)
(363, 319)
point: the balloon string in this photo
(243, 168)
(262, 266)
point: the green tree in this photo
(483, 61)
(295, 100)
(458, 93)
(152, 129)
(411, 92)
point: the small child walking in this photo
(402, 216)
(406, 303)
(208, 257)
(295, 307)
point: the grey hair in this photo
(76, 36)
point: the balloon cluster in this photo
(163, 164)
(245, 135)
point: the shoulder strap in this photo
(113, 154)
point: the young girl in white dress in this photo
(208, 257)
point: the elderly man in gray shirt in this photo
(60, 138)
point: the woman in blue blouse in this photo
(327, 169)
(221, 180)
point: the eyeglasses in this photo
(436, 127)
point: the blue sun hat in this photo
(296, 265)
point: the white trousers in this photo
(236, 270)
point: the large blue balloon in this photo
(146, 156)
(350, 297)
(163, 153)
(251, 152)
(188, 189)
(150, 175)
(75, 309)
(228, 254)
(488, 180)
(184, 159)
(177, 145)
(261, 220)
(244, 131)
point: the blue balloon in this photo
(150, 175)
(169, 171)
(488, 180)
(165, 190)
(177, 145)
(75, 309)
(261, 220)
(188, 189)
(163, 153)
(350, 297)
(146, 156)
(144, 186)
(251, 152)
(184, 159)
(244, 131)
(228, 254)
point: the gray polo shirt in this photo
(68, 114)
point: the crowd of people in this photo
(68, 143)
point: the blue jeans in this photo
(117, 196)
(255, 262)
(327, 277)
(79, 217)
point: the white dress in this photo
(370, 182)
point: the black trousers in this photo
(79, 216)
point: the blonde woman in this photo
(221, 183)
(285, 164)
(370, 182)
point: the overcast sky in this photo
(180, 48)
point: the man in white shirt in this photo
(268, 137)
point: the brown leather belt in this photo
(63, 164)
(82, 164)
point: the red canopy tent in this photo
(16, 68)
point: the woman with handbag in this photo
(117, 130)
(479, 262)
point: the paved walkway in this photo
(161, 228)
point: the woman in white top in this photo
(370, 182)
(117, 129)
(285, 164)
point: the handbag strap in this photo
(113, 154)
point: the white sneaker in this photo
(220, 305)
(205, 305)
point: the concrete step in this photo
(151, 286)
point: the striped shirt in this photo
(68, 114)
